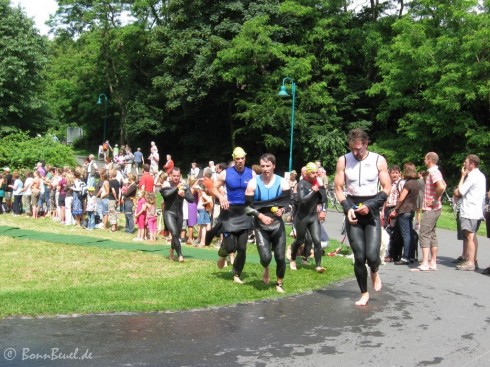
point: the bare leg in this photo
(425, 256)
(472, 247)
(433, 258)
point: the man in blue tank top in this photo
(269, 195)
(233, 222)
(362, 172)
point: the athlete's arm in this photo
(220, 181)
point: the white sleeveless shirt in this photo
(361, 177)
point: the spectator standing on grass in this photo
(17, 187)
(26, 193)
(154, 159)
(151, 216)
(114, 199)
(146, 182)
(102, 189)
(8, 191)
(128, 196)
(169, 165)
(139, 160)
(35, 193)
(91, 206)
(3, 186)
(91, 170)
(106, 147)
(140, 216)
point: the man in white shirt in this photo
(472, 188)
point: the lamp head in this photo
(283, 92)
(99, 101)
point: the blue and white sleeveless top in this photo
(361, 177)
(236, 184)
(263, 193)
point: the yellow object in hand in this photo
(274, 209)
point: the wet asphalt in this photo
(418, 319)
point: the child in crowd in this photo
(151, 215)
(204, 207)
(141, 216)
(90, 208)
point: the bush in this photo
(20, 151)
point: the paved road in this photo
(418, 319)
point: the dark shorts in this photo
(61, 200)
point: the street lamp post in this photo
(99, 102)
(284, 93)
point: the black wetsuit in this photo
(271, 237)
(306, 219)
(365, 236)
(173, 216)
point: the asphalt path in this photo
(418, 319)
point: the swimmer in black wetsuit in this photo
(269, 196)
(233, 222)
(361, 171)
(174, 192)
(310, 193)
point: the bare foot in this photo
(320, 269)
(376, 281)
(265, 276)
(171, 254)
(363, 301)
(292, 265)
(221, 262)
(237, 279)
(181, 259)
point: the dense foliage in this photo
(199, 77)
(20, 151)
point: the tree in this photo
(435, 82)
(22, 57)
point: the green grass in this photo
(43, 278)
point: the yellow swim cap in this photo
(311, 167)
(238, 153)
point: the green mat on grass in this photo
(70, 239)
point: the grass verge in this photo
(42, 278)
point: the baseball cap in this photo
(293, 172)
(91, 188)
(6, 169)
(238, 153)
(311, 167)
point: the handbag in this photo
(2, 193)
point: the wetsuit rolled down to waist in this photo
(234, 223)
